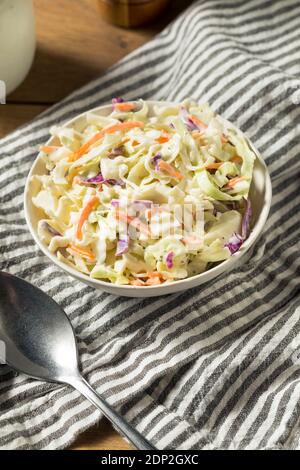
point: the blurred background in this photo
(76, 41)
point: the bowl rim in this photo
(182, 284)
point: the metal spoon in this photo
(40, 342)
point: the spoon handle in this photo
(115, 418)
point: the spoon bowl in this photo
(39, 341)
(36, 332)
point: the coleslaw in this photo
(144, 197)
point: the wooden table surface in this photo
(74, 46)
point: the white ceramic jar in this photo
(17, 41)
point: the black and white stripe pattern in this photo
(217, 366)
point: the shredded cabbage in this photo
(121, 196)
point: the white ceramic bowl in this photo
(260, 195)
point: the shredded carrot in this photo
(84, 252)
(124, 217)
(149, 274)
(153, 278)
(84, 215)
(236, 159)
(153, 281)
(204, 126)
(48, 148)
(213, 166)
(148, 214)
(135, 142)
(125, 106)
(109, 130)
(234, 181)
(163, 138)
(154, 274)
(170, 169)
(136, 223)
(85, 147)
(137, 282)
(198, 121)
(122, 126)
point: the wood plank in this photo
(101, 437)
(75, 45)
(15, 115)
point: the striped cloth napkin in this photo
(215, 367)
